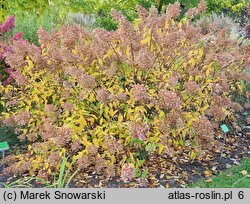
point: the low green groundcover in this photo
(235, 177)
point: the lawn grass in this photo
(237, 176)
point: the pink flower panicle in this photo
(169, 99)
(127, 172)
(103, 96)
(88, 81)
(112, 145)
(67, 106)
(22, 118)
(173, 80)
(202, 6)
(122, 97)
(83, 162)
(7, 25)
(173, 10)
(110, 171)
(192, 12)
(54, 159)
(19, 78)
(100, 164)
(204, 128)
(192, 87)
(138, 130)
(17, 36)
(139, 91)
(144, 59)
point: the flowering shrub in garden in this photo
(230, 5)
(5, 71)
(112, 99)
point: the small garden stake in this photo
(225, 130)
(3, 147)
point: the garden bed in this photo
(147, 104)
(169, 172)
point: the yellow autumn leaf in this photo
(63, 150)
(244, 172)
(29, 147)
(68, 165)
(137, 21)
(46, 165)
(112, 157)
(30, 64)
(208, 180)
(100, 62)
(166, 24)
(161, 148)
(127, 52)
(192, 62)
(120, 118)
(161, 115)
(49, 171)
(200, 53)
(82, 122)
(101, 121)
(193, 155)
(208, 173)
(145, 40)
(207, 72)
(131, 156)
(96, 142)
(91, 97)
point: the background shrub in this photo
(6, 39)
(33, 14)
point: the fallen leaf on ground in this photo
(244, 172)
(248, 121)
(208, 180)
(208, 173)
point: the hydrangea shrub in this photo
(112, 99)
